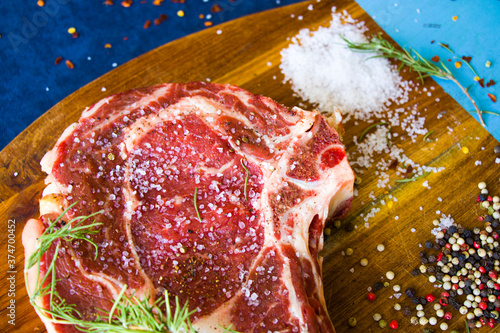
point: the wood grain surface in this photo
(239, 56)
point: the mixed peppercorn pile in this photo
(464, 266)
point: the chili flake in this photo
(493, 97)
(107, 46)
(70, 64)
(147, 24)
(126, 3)
(208, 24)
(481, 82)
(75, 34)
(108, 2)
(458, 64)
(71, 30)
(435, 58)
(58, 60)
(490, 83)
(487, 64)
(454, 18)
(468, 59)
(216, 8)
(180, 13)
(157, 2)
(40, 3)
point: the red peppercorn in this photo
(483, 305)
(490, 199)
(445, 294)
(448, 246)
(497, 286)
(371, 297)
(482, 320)
(447, 315)
(491, 323)
(482, 286)
(481, 269)
(477, 245)
(440, 256)
(480, 218)
(394, 324)
(494, 234)
(443, 301)
(493, 274)
(455, 286)
(430, 298)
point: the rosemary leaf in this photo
(196, 204)
(369, 128)
(426, 136)
(246, 178)
(406, 180)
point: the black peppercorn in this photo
(410, 292)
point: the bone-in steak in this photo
(243, 251)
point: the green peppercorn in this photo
(352, 322)
(382, 323)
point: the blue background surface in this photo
(32, 37)
(476, 33)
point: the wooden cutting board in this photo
(239, 53)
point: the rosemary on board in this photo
(128, 314)
(426, 136)
(406, 180)
(196, 203)
(413, 60)
(246, 178)
(369, 128)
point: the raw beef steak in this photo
(209, 192)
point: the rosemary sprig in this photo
(406, 180)
(196, 203)
(413, 60)
(246, 178)
(128, 314)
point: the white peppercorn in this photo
(423, 321)
(433, 321)
(377, 316)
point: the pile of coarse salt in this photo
(323, 71)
